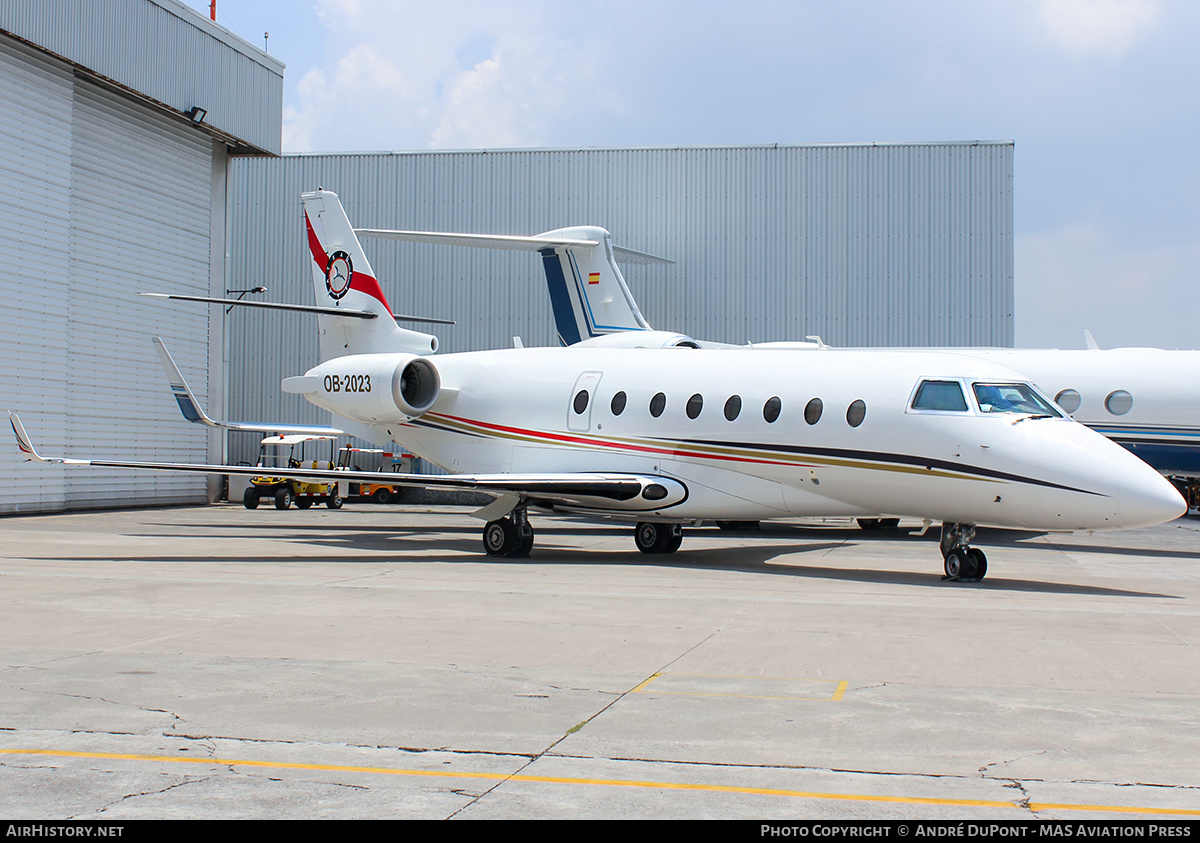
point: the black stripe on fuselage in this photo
(897, 459)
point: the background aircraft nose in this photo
(1146, 497)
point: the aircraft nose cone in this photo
(1147, 497)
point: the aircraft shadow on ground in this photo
(757, 551)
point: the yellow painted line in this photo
(841, 691)
(710, 788)
(652, 677)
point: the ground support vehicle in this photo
(290, 452)
(373, 459)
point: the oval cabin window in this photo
(855, 413)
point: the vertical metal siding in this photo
(903, 244)
(35, 208)
(166, 51)
(103, 198)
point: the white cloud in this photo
(395, 72)
(1108, 28)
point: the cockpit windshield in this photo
(1015, 398)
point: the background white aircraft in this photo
(665, 437)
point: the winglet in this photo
(1090, 340)
(23, 441)
(188, 404)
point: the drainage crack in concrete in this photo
(187, 780)
(580, 725)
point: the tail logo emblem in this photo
(338, 273)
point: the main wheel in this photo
(675, 540)
(868, 523)
(283, 498)
(250, 498)
(656, 538)
(383, 496)
(500, 538)
(525, 534)
(334, 501)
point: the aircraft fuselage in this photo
(732, 427)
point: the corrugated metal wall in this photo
(106, 191)
(166, 51)
(905, 244)
(102, 198)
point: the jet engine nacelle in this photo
(372, 388)
(639, 339)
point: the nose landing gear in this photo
(963, 563)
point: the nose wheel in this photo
(963, 563)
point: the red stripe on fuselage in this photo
(601, 443)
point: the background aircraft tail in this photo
(587, 291)
(343, 278)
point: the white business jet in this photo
(665, 437)
(1139, 397)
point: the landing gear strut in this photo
(651, 537)
(963, 563)
(510, 537)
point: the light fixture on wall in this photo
(196, 114)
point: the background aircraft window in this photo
(581, 400)
(694, 405)
(812, 411)
(855, 413)
(940, 395)
(1118, 403)
(1068, 399)
(618, 404)
(771, 408)
(1017, 398)
(657, 404)
(733, 407)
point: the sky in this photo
(1099, 97)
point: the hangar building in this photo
(861, 244)
(118, 121)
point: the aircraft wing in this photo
(593, 491)
(193, 412)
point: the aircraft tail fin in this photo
(587, 291)
(342, 277)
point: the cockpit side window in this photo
(1016, 398)
(942, 396)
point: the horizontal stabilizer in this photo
(300, 308)
(509, 242)
(478, 241)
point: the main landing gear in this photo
(651, 537)
(510, 537)
(963, 562)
